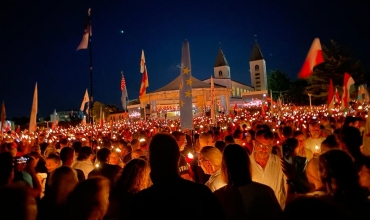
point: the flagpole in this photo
(91, 70)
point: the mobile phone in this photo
(21, 160)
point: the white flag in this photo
(86, 99)
(33, 124)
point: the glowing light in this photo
(190, 156)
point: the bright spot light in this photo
(190, 156)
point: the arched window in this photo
(220, 73)
(256, 67)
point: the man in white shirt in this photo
(266, 167)
(313, 143)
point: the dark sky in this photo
(38, 43)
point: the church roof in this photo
(221, 59)
(256, 53)
(175, 84)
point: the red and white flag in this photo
(314, 58)
(144, 79)
(348, 86)
(3, 116)
(87, 33)
(331, 96)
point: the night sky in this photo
(38, 43)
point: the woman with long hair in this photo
(134, 178)
(339, 175)
(242, 198)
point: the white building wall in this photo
(258, 75)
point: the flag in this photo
(331, 96)
(366, 137)
(348, 87)
(359, 94)
(101, 116)
(33, 124)
(84, 100)
(3, 116)
(212, 101)
(144, 79)
(337, 99)
(55, 120)
(124, 95)
(314, 58)
(367, 98)
(87, 33)
(185, 89)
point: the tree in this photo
(106, 109)
(295, 94)
(278, 81)
(338, 60)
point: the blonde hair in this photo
(205, 139)
(212, 154)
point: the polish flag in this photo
(314, 58)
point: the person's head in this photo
(137, 154)
(287, 132)
(103, 155)
(314, 129)
(205, 139)
(135, 144)
(235, 168)
(63, 143)
(220, 145)
(62, 182)
(90, 199)
(300, 205)
(238, 134)
(229, 139)
(52, 162)
(67, 156)
(180, 139)
(351, 140)
(36, 148)
(85, 153)
(77, 146)
(329, 143)
(337, 171)
(365, 174)
(351, 121)
(263, 143)
(164, 156)
(289, 147)
(17, 203)
(114, 158)
(210, 159)
(301, 138)
(134, 177)
(6, 168)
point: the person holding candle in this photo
(314, 141)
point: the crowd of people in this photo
(247, 167)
